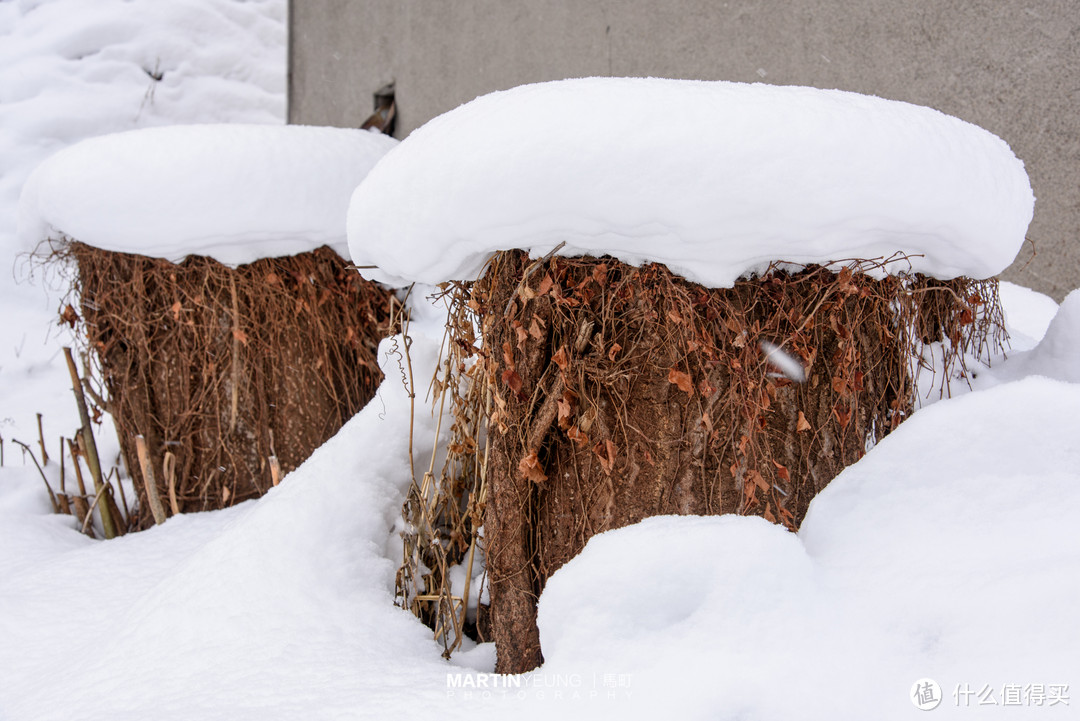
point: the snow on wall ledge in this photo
(713, 179)
(236, 193)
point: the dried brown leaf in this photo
(511, 378)
(577, 436)
(560, 359)
(682, 380)
(69, 316)
(802, 424)
(530, 469)
(566, 409)
(757, 479)
(605, 452)
(522, 334)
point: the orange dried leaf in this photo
(522, 334)
(844, 277)
(682, 380)
(577, 436)
(240, 335)
(605, 452)
(69, 315)
(782, 471)
(511, 378)
(802, 424)
(757, 479)
(560, 359)
(545, 285)
(508, 357)
(535, 330)
(613, 351)
(530, 469)
(566, 410)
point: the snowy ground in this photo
(949, 553)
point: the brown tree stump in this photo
(222, 368)
(622, 393)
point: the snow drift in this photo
(235, 193)
(713, 179)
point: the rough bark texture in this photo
(622, 393)
(223, 367)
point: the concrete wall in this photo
(1012, 67)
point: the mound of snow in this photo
(1027, 314)
(236, 193)
(1058, 353)
(277, 608)
(713, 179)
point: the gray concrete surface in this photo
(1012, 67)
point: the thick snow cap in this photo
(236, 193)
(713, 179)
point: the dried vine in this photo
(224, 370)
(602, 393)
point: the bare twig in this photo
(41, 440)
(152, 494)
(235, 356)
(89, 447)
(275, 470)
(533, 267)
(123, 496)
(95, 396)
(168, 467)
(82, 511)
(65, 502)
(52, 496)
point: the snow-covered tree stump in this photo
(622, 393)
(222, 369)
(740, 292)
